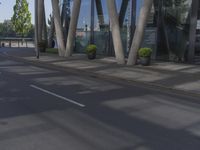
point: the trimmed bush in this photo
(91, 49)
(145, 52)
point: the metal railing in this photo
(16, 42)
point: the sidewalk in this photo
(181, 77)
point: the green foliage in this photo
(179, 9)
(52, 50)
(145, 52)
(90, 49)
(6, 29)
(31, 32)
(21, 19)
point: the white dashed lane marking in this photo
(56, 95)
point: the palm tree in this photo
(72, 27)
(112, 10)
(58, 27)
(139, 32)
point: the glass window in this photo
(173, 29)
(83, 27)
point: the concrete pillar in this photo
(122, 13)
(58, 27)
(100, 12)
(36, 29)
(139, 32)
(114, 21)
(192, 33)
(72, 28)
(51, 32)
(40, 18)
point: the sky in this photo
(6, 8)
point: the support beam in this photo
(36, 30)
(114, 21)
(51, 31)
(44, 30)
(133, 19)
(123, 12)
(72, 27)
(192, 34)
(139, 32)
(58, 27)
(40, 19)
(64, 12)
(100, 12)
(65, 17)
(92, 22)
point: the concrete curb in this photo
(108, 77)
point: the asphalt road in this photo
(46, 109)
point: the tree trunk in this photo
(36, 29)
(58, 27)
(112, 10)
(139, 32)
(40, 19)
(72, 28)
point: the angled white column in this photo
(139, 32)
(36, 28)
(58, 27)
(114, 21)
(100, 12)
(51, 31)
(40, 19)
(72, 27)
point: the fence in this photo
(16, 42)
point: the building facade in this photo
(173, 28)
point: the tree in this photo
(6, 29)
(139, 32)
(178, 9)
(21, 19)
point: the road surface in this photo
(46, 109)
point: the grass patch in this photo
(52, 50)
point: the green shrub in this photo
(145, 52)
(91, 49)
(52, 50)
